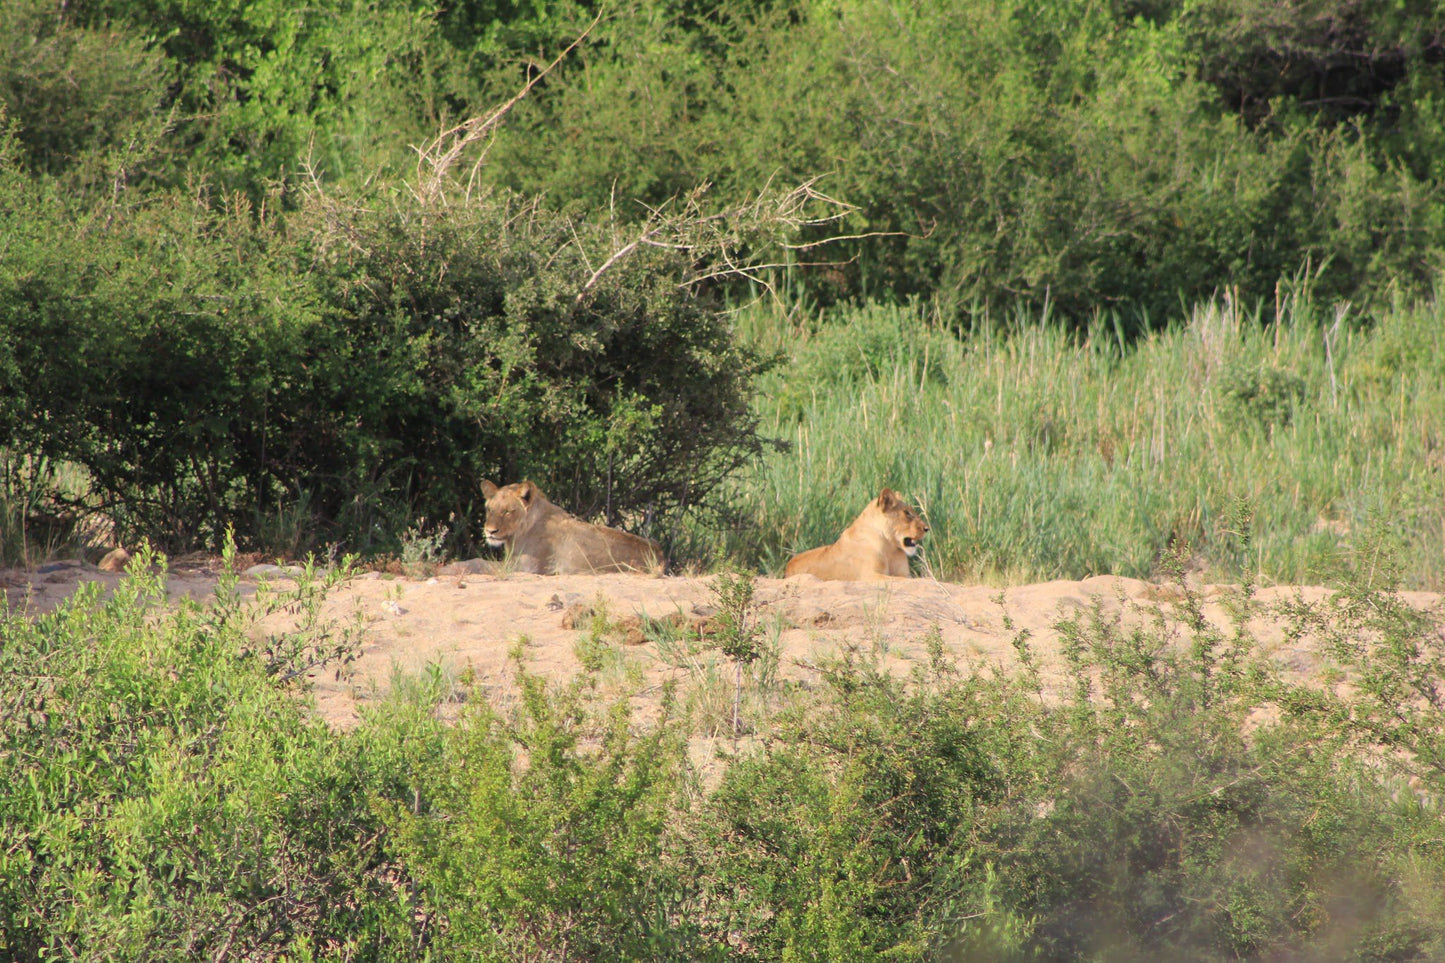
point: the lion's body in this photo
(876, 546)
(543, 539)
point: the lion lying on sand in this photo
(876, 546)
(545, 540)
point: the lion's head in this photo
(905, 526)
(507, 509)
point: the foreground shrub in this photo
(1192, 825)
(542, 834)
(164, 794)
(863, 830)
(1179, 801)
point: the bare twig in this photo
(723, 240)
(436, 158)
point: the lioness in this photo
(545, 540)
(876, 546)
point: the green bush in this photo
(1006, 153)
(1267, 394)
(479, 342)
(861, 831)
(148, 345)
(1153, 811)
(542, 834)
(164, 794)
(1108, 156)
(85, 102)
(361, 363)
(1185, 834)
(262, 87)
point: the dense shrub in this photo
(262, 87)
(147, 345)
(86, 102)
(359, 364)
(863, 828)
(485, 342)
(1153, 812)
(165, 795)
(1119, 154)
(540, 834)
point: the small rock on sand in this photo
(471, 566)
(272, 571)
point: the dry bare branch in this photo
(732, 242)
(435, 159)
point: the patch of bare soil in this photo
(465, 626)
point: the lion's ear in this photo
(528, 490)
(488, 489)
(887, 499)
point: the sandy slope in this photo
(466, 625)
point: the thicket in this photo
(340, 370)
(165, 792)
(1089, 155)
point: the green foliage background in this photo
(1120, 154)
(226, 298)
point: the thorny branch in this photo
(436, 158)
(729, 242)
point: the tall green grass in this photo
(1037, 453)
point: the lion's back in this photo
(575, 547)
(840, 561)
(807, 563)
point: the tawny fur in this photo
(876, 546)
(546, 540)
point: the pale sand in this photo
(467, 625)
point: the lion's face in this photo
(506, 510)
(905, 526)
